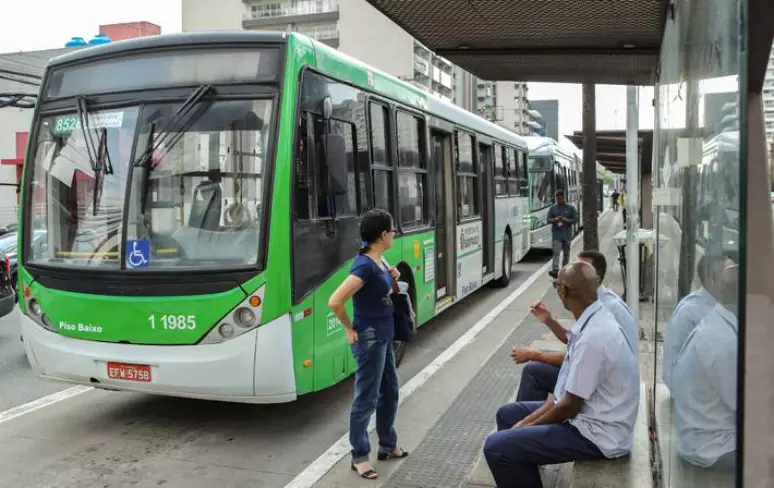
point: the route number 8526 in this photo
(173, 322)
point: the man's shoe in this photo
(553, 273)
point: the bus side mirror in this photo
(336, 162)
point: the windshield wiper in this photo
(97, 155)
(145, 160)
(183, 111)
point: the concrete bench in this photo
(632, 471)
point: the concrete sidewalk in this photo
(444, 424)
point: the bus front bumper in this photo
(256, 367)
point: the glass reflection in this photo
(697, 198)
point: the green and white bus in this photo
(198, 197)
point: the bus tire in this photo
(507, 263)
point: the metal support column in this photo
(632, 201)
(589, 182)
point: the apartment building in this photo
(351, 26)
(507, 103)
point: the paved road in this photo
(110, 439)
(17, 384)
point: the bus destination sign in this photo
(100, 120)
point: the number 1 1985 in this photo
(173, 322)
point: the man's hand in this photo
(394, 273)
(541, 312)
(522, 355)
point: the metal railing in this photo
(257, 11)
(319, 33)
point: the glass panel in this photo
(697, 198)
(412, 198)
(499, 165)
(78, 191)
(383, 189)
(199, 204)
(464, 153)
(409, 144)
(541, 190)
(468, 197)
(380, 149)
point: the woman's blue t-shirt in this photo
(372, 304)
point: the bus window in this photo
(513, 172)
(313, 185)
(381, 164)
(412, 171)
(523, 178)
(467, 174)
(501, 182)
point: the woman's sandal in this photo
(369, 474)
(384, 456)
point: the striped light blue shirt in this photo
(622, 314)
(601, 368)
(689, 312)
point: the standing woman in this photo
(370, 335)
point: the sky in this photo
(49, 24)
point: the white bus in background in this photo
(553, 165)
(718, 192)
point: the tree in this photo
(589, 183)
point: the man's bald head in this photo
(580, 281)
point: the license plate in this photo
(129, 372)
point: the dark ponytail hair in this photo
(373, 224)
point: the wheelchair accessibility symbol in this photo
(138, 254)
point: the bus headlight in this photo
(34, 307)
(243, 318)
(34, 311)
(226, 330)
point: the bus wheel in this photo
(505, 279)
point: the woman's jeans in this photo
(376, 388)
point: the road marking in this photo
(320, 467)
(20, 410)
(327, 460)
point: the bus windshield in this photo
(169, 195)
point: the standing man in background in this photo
(623, 206)
(562, 216)
(615, 196)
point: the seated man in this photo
(691, 310)
(705, 382)
(592, 412)
(538, 378)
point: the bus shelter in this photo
(710, 182)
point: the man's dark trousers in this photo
(537, 381)
(514, 454)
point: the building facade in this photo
(358, 29)
(549, 109)
(768, 100)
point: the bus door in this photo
(444, 214)
(485, 164)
